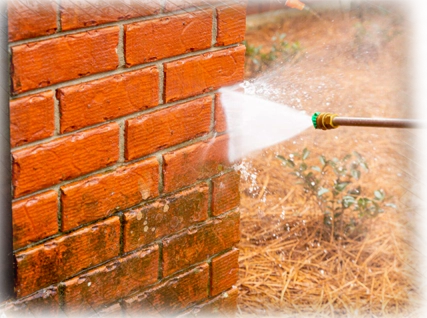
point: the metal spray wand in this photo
(326, 121)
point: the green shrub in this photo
(334, 186)
(260, 57)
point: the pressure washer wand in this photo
(296, 4)
(326, 121)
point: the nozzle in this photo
(295, 4)
(324, 121)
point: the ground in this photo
(354, 63)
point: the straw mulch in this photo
(289, 263)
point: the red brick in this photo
(175, 5)
(225, 193)
(31, 118)
(198, 244)
(196, 162)
(155, 131)
(224, 305)
(85, 13)
(231, 21)
(224, 272)
(31, 19)
(34, 218)
(111, 282)
(203, 73)
(101, 195)
(44, 165)
(44, 303)
(220, 118)
(52, 61)
(156, 39)
(171, 297)
(62, 257)
(146, 224)
(107, 98)
(113, 311)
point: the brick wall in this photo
(123, 197)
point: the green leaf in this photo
(341, 186)
(358, 155)
(337, 215)
(287, 162)
(281, 158)
(348, 201)
(364, 165)
(331, 163)
(305, 153)
(357, 191)
(356, 174)
(347, 157)
(322, 160)
(362, 202)
(322, 191)
(379, 195)
(303, 166)
(392, 205)
(316, 168)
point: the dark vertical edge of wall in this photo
(6, 246)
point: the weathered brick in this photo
(166, 216)
(31, 19)
(52, 61)
(175, 5)
(44, 165)
(155, 131)
(44, 303)
(231, 21)
(112, 311)
(111, 282)
(196, 162)
(225, 193)
(156, 39)
(220, 116)
(85, 13)
(35, 218)
(172, 296)
(100, 195)
(107, 98)
(59, 258)
(224, 305)
(31, 118)
(198, 244)
(224, 272)
(203, 73)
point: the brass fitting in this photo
(325, 121)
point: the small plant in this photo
(334, 186)
(261, 57)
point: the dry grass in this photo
(289, 265)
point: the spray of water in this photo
(255, 123)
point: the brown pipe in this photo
(326, 121)
(377, 122)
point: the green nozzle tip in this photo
(314, 119)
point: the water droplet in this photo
(89, 284)
(145, 228)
